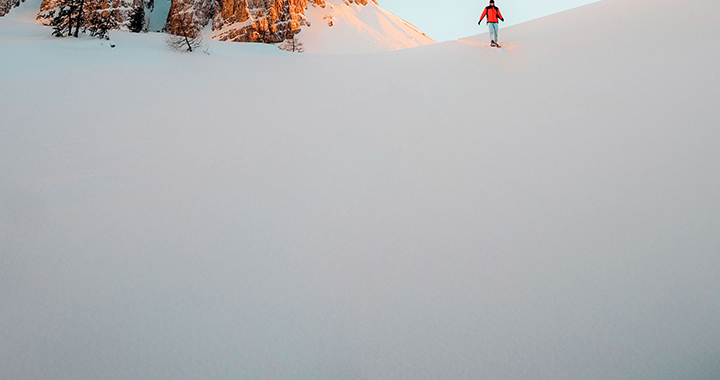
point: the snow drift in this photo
(545, 211)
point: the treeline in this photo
(72, 17)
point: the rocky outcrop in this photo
(7, 5)
(269, 21)
(264, 20)
(190, 14)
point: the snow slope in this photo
(352, 28)
(546, 211)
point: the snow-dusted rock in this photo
(322, 26)
(198, 12)
(259, 20)
(6, 5)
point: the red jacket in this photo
(492, 13)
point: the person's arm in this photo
(482, 16)
(500, 15)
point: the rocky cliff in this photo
(193, 14)
(264, 20)
(260, 20)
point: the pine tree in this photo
(100, 23)
(137, 18)
(73, 16)
(79, 18)
(62, 18)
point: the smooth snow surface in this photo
(550, 210)
(351, 28)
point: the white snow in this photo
(357, 29)
(545, 211)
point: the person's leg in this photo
(493, 27)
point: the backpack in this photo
(488, 8)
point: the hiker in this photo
(493, 14)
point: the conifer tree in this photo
(62, 18)
(100, 23)
(73, 16)
(137, 18)
(79, 17)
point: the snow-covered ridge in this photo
(342, 27)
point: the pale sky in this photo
(452, 19)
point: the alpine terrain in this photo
(328, 26)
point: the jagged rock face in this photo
(117, 9)
(269, 21)
(263, 20)
(192, 14)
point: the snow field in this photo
(549, 211)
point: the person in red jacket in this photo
(493, 14)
